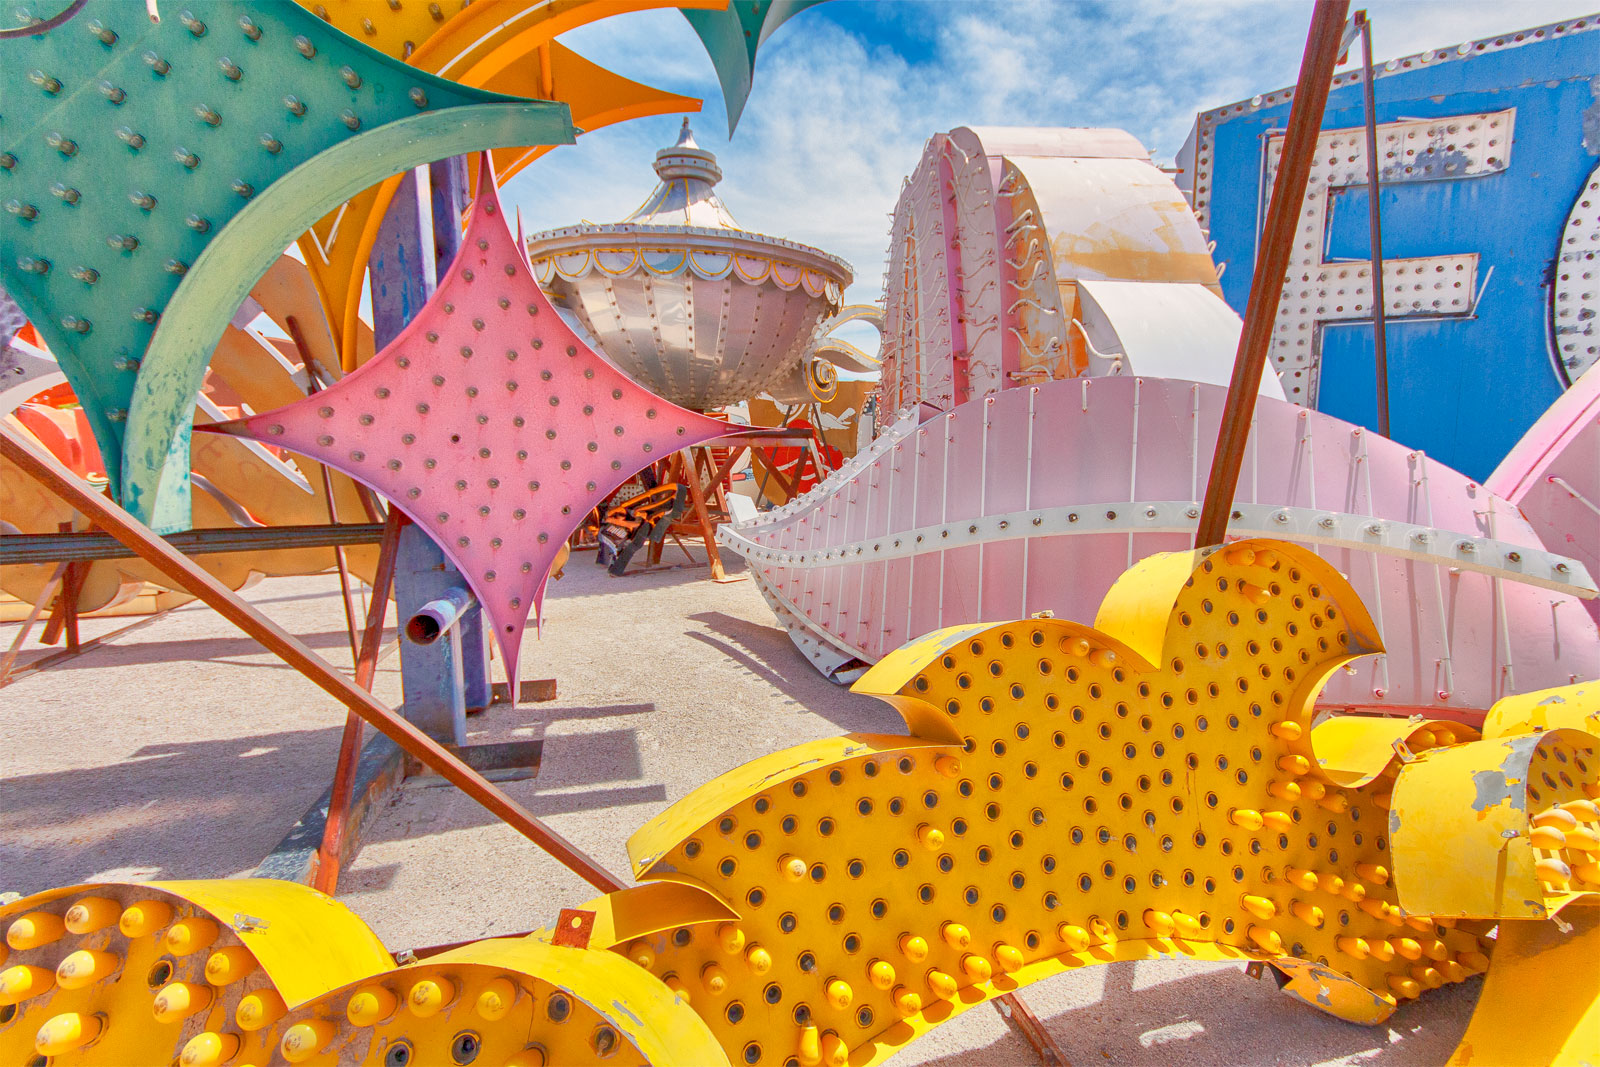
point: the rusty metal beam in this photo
(330, 856)
(125, 528)
(1380, 328)
(1266, 286)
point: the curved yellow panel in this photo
(1353, 750)
(504, 1000)
(122, 972)
(1541, 1001)
(1572, 707)
(1133, 787)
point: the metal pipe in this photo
(90, 546)
(131, 532)
(1380, 331)
(435, 618)
(1272, 262)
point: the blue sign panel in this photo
(1488, 152)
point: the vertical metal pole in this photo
(448, 190)
(1266, 286)
(1380, 333)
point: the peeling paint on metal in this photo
(1492, 788)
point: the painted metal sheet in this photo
(1167, 330)
(1488, 150)
(1553, 476)
(1036, 498)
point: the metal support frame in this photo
(1380, 329)
(123, 526)
(1266, 286)
(45, 595)
(696, 469)
(331, 852)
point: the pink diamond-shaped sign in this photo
(489, 423)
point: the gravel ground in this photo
(182, 750)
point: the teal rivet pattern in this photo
(127, 147)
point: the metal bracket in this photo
(573, 928)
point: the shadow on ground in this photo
(146, 812)
(1219, 1016)
(767, 653)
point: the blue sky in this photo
(846, 94)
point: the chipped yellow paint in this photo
(1573, 707)
(1138, 783)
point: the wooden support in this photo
(125, 528)
(1272, 261)
(330, 856)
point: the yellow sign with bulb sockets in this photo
(1067, 795)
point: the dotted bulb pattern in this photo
(1094, 807)
(489, 422)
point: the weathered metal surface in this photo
(242, 484)
(267, 971)
(1553, 476)
(489, 422)
(1476, 361)
(682, 300)
(1575, 300)
(1040, 816)
(1023, 255)
(78, 547)
(222, 132)
(174, 365)
(1541, 1000)
(444, 659)
(1111, 470)
(1278, 242)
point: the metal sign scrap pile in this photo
(1161, 784)
(1152, 786)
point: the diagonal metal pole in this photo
(138, 537)
(1380, 328)
(1266, 286)
(330, 854)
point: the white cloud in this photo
(845, 96)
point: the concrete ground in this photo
(183, 750)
